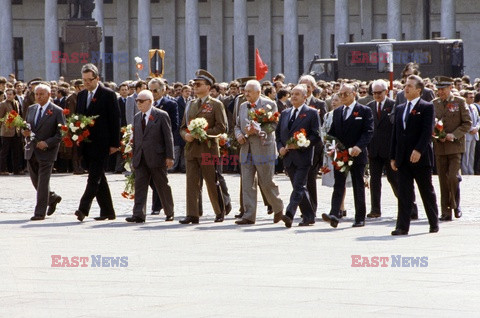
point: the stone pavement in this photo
(223, 270)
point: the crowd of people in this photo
(420, 127)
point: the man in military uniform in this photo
(195, 151)
(448, 151)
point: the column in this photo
(394, 19)
(264, 38)
(290, 40)
(240, 33)
(121, 42)
(144, 35)
(215, 44)
(313, 38)
(192, 38)
(366, 18)
(448, 20)
(6, 39)
(341, 22)
(52, 70)
(417, 20)
(98, 16)
(168, 38)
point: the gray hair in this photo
(146, 93)
(308, 78)
(351, 87)
(90, 68)
(255, 85)
(159, 82)
(301, 87)
(44, 87)
(381, 83)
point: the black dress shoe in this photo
(373, 215)
(169, 218)
(228, 208)
(445, 218)
(103, 218)
(287, 220)
(53, 205)
(358, 224)
(399, 232)
(37, 218)
(219, 218)
(244, 222)
(190, 219)
(414, 217)
(269, 210)
(80, 215)
(155, 213)
(306, 223)
(434, 229)
(200, 213)
(458, 213)
(239, 215)
(342, 214)
(332, 219)
(277, 217)
(134, 219)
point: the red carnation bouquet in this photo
(341, 158)
(438, 132)
(13, 119)
(265, 117)
(76, 129)
(126, 149)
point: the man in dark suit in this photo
(352, 125)
(321, 107)
(97, 100)
(412, 155)
(379, 147)
(152, 155)
(298, 161)
(41, 150)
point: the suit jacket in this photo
(156, 143)
(262, 150)
(131, 108)
(106, 131)
(357, 130)
(416, 136)
(170, 106)
(47, 129)
(456, 120)
(427, 95)
(382, 133)
(5, 108)
(121, 105)
(307, 119)
(281, 106)
(216, 118)
(71, 103)
(182, 104)
(475, 123)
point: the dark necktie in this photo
(407, 113)
(379, 110)
(292, 119)
(39, 115)
(143, 122)
(345, 112)
(89, 98)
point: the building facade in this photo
(222, 35)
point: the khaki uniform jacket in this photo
(213, 111)
(456, 120)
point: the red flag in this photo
(261, 69)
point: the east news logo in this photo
(85, 261)
(392, 261)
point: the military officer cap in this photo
(205, 76)
(443, 81)
(243, 80)
(34, 81)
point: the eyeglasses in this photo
(363, 92)
(377, 93)
(344, 94)
(89, 80)
(198, 84)
(141, 100)
(155, 90)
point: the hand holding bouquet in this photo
(299, 140)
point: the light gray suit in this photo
(257, 156)
(40, 162)
(150, 150)
(131, 108)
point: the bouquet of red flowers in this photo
(76, 129)
(126, 150)
(438, 132)
(299, 140)
(341, 158)
(13, 119)
(266, 118)
(224, 143)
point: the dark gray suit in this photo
(150, 150)
(40, 162)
